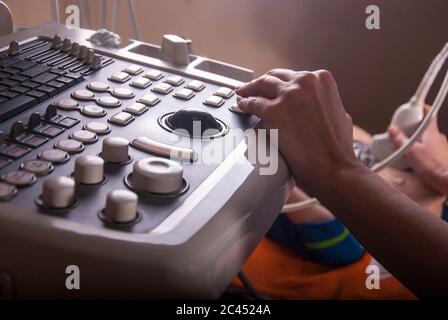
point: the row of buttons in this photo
(167, 86)
(30, 169)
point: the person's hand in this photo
(315, 133)
(427, 157)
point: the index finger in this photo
(265, 86)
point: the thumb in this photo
(397, 135)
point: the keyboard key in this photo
(3, 88)
(20, 89)
(68, 122)
(68, 81)
(39, 95)
(35, 71)
(23, 65)
(16, 106)
(149, 99)
(4, 162)
(2, 100)
(153, 75)
(8, 83)
(7, 61)
(18, 78)
(48, 90)
(174, 80)
(30, 84)
(162, 88)
(58, 71)
(136, 109)
(195, 85)
(10, 71)
(52, 131)
(75, 76)
(141, 83)
(58, 85)
(3, 75)
(120, 77)
(8, 94)
(133, 69)
(214, 101)
(45, 77)
(33, 140)
(184, 94)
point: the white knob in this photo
(115, 149)
(58, 192)
(89, 169)
(157, 175)
(176, 49)
(121, 206)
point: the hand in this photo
(427, 157)
(315, 133)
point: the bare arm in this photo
(315, 136)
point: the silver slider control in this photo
(165, 150)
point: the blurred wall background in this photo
(376, 70)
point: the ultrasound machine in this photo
(88, 177)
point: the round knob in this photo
(115, 149)
(121, 206)
(195, 121)
(89, 170)
(58, 192)
(157, 175)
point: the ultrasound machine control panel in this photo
(95, 173)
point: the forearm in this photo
(408, 241)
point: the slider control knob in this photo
(58, 192)
(89, 170)
(13, 48)
(96, 62)
(75, 49)
(66, 45)
(56, 42)
(121, 206)
(90, 56)
(115, 149)
(157, 175)
(82, 54)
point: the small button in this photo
(34, 141)
(133, 69)
(84, 136)
(58, 192)
(195, 85)
(67, 104)
(149, 100)
(120, 77)
(163, 88)
(141, 83)
(174, 80)
(52, 131)
(69, 145)
(214, 101)
(38, 167)
(54, 156)
(115, 150)
(7, 191)
(16, 151)
(89, 170)
(19, 178)
(153, 75)
(4, 162)
(110, 102)
(93, 111)
(68, 122)
(97, 127)
(122, 93)
(121, 206)
(224, 92)
(98, 86)
(184, 94)
(121, 118)
(136, 109)
(84, 95)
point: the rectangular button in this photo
(48, 90)
(120, 77)
(163, 88)
(121, 118)
(8, 83)
(136, 109)
(133, 69)
(184, 94)
(8, 94)
(16, 151)
(214, 101)
(141, 83)
(174, 80)
(149, 100)
(39, 95)
(195, 85)
(30, 84)
(16, 106)
(34, 141)
(44, 78)
(23, 65)
(52, 131)
(20, 89)
(35, 71)
(162, 149)
(68, 122)
(153, 75)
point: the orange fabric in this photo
(280, 273)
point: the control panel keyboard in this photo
(102, 141)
